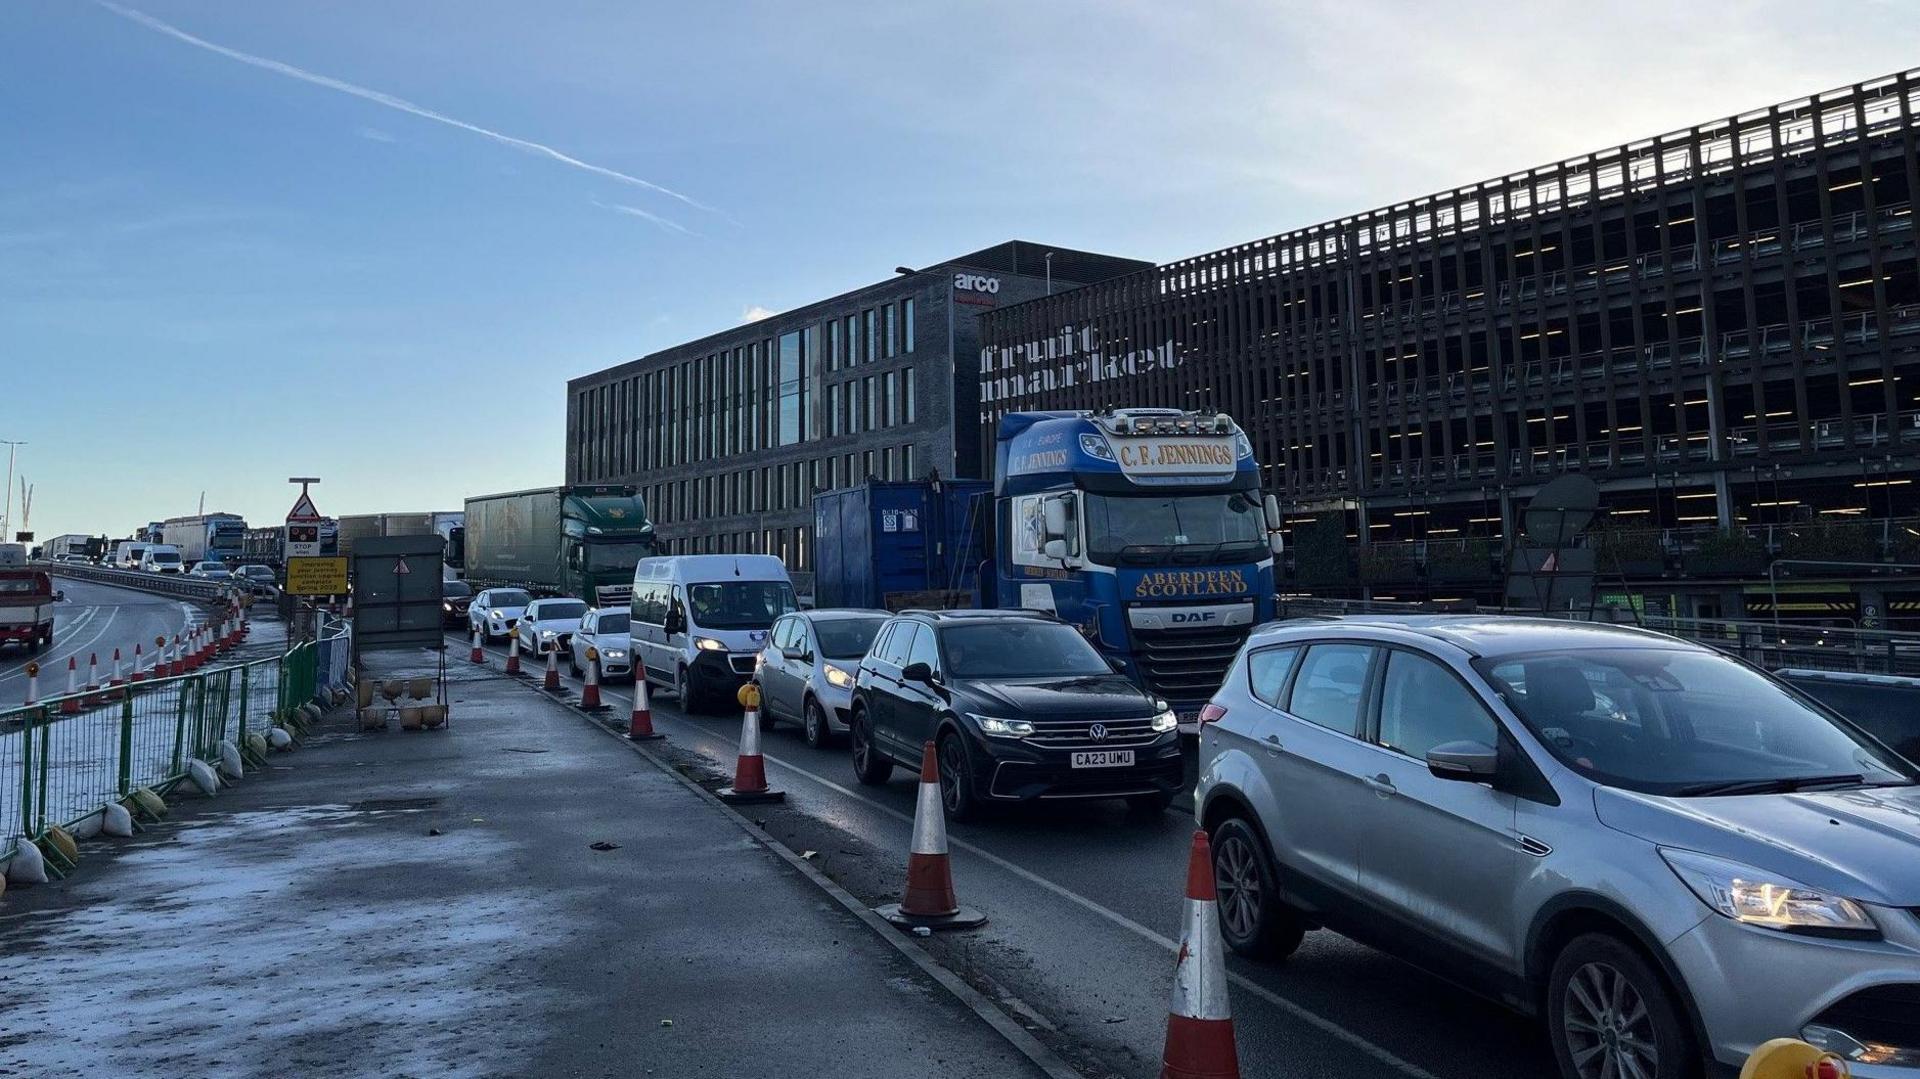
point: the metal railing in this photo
(63, 758)
(170, 584)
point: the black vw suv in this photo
(1020, 707)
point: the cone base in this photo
(964, 918)
(740, 798)
(655, 737)
(595, 708)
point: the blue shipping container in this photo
(898, 545)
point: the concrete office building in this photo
(728, 437)
(1720, 325)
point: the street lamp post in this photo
(6, 515)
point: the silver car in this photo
(805, 672)
(605, 630)
(547, 625)
(1668, 856)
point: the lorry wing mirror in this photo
(1053, 513)
(1275, 541)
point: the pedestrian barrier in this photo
(1200, 1042)
(64, 758)
(750, 768)
(929, 901)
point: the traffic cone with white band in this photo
(513, 654)
(552, 681)
(93, 679)
(70, 704)
(117, 678)
(750, 770)
(139, 661)
(477, 655)
(1199, 1025)
(590, 695)
(177, 661)
(640, 727)
(929, 902)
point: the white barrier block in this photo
(27, 866)
(203, 777)
(116, 821)
(230, 761)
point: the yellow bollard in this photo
(1790, 1058)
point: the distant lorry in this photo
(64, 548)
(448, 525)
(26, 604)
(581, 541)
(217, 537)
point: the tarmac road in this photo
(1084, 902)
(94, 619)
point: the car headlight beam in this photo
(1756, 897)
(1165, 721)
(839, 676)
(1002, 728)
(708, 644)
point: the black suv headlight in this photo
(1001, 728)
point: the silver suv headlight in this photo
(1756, 897)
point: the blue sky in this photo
(216, 273)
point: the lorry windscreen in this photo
(615, 555)
(1146, 529)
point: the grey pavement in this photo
(309, 922)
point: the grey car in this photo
(1666, 855)
(605, 630)
(806, 671)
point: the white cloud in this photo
(755, 312)
(635, 211)
(374, 134)
(395, 103)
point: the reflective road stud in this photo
(590, 696)
(1199, 1025)
(513, 653)
(928, 902)
(750, 770)
(552, 681)
(478, 656)
(640, 727)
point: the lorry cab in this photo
(698, 621)
(1145, 528)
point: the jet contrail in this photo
(391, 102)
(635, 211)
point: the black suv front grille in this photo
(1883, 1014)
(1186, 665)
(1078, 734)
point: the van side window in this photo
(1330, 686)
(1267, 672)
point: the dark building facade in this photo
(1718, 325)
(729, 436)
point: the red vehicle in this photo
(26, 608)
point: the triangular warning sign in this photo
(303, 510)
(400, 568)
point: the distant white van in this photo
(127, 553)
(162, 558)
(699, 620)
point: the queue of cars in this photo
(1620, 833)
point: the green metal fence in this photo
(64, 758)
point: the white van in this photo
(699, 620)
(126, 554)
(162, 558)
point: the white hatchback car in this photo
(496, 611)
(605, 630)
(549, 625)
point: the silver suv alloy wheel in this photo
(1608, 1027)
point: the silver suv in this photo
(1667, 855)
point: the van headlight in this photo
(1165, 721)
(1756, 897)
(708, 644)
(839, 676)
(1002, 728)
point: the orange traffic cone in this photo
(178, 665)
(117, 679)
(640, 727)
(70, 704)
(477, 655)
(93, 679)
(513, 653)
(929, 902)
(750, 770)
(590, 695)
(1199, 1025)
(552, 681)
(139, 661)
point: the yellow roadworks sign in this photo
(316, 576)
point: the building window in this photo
(890, 397)
(866, 464)
(906, 324)
(909, 412)
(886, 463)
(833, 344)
(893, 329)
(833, 410)
(868, 397)
(792, 389)
(852, 336)
(872, 351)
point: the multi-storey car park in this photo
(729, 436)
(1718, 325)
